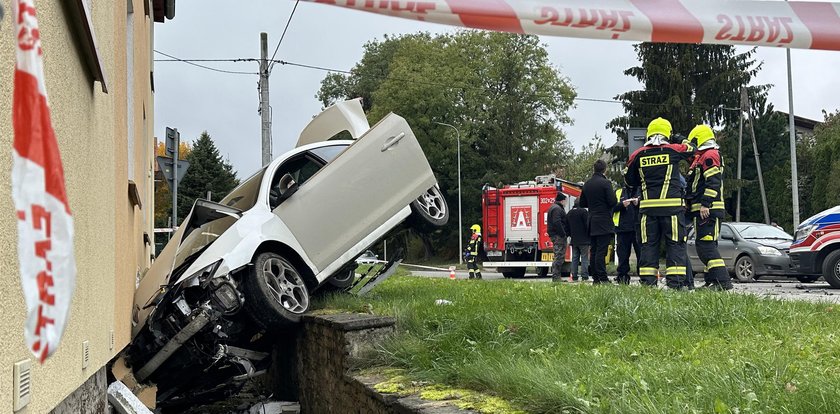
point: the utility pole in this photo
(265, 113)
(175, 154)
(758, 168)
(794, 174)
(743, 107)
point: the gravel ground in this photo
(772, 287)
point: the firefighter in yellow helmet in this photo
(655, 168)
(705, 194)
(472, 251)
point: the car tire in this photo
(745, 269)
(514, 273)
(808, 278)
(430, 210)
(831, 269)
(276, 295)
(542, 272)
(343, 279)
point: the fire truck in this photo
(515, 231)
(816, 248)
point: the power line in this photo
(206, 67)
(273, 55)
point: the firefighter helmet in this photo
(476, 228)
(659, 126)
(700, 134)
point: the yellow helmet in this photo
(476, 228)
(659, 126)
(700, 134)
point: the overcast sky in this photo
(193, 99)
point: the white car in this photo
(245, 267)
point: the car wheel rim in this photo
(286, 285)
(432, 203)
(837, 270)
(745, 269)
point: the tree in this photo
(687, 84)
(826, 164)
(163, 195)
(499, 90)
(579, 167)
(207, 172)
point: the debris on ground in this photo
(124, 401)
(275, 407)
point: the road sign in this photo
(635, 139)
(173, 137)
(166, 167)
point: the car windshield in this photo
(761, 231)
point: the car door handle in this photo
(390, 142)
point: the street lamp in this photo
(460, 226)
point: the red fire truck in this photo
(514, 218)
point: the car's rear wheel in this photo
(430, 210)
(343, 279)
(276, 294)
(831, 269)
(744, 269)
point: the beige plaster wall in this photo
(91, 131)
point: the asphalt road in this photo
(780, 287)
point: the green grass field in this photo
(550, 348)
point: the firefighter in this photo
(471, 253)
(625, 217)
(655, 168)
(707, 208)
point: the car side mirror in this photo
(727, 237)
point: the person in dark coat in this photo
(598, 196)
(558, 231)
(625, 218)
(579, 232)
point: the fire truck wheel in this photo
(831, 269)
(429, 211)
(542, 271)
(514, 273)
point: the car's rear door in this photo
(357, 192)
(727, 246)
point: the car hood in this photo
(776, 243)
(204, 224)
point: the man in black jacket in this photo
(579, 232)
(558, 230)
(625, 218)
(598, 196)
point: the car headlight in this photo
(769, 251)
(804, 231)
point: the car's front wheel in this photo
(744, 269)
(276, 294)
(831, 269)
(430, 210)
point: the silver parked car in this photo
(750, 250)
(241, 270)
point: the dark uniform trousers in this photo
(652, 230)
(598, 258)
(558, 267)
(707, 232)
(627, 240)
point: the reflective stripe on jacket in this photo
(656, 169)
(706, 178)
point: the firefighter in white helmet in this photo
(471, 252)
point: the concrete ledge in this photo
(351, 321)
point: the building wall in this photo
(92, 129)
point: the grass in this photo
(550, 348)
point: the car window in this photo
(301, 168)
(245, 195)
(726, 232)
(328, 154)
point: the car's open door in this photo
(355, 194)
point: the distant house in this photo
(804, 127)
